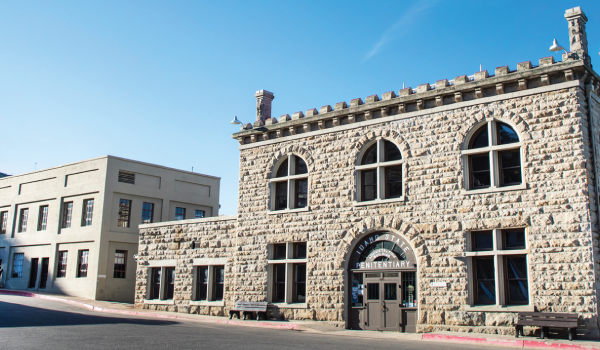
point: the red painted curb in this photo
(506, 342)
(137, 313)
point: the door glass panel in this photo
(389, 291)
(390, 274)
(410, 289)
(373, 291)
(357, 289)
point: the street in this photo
(29, 323)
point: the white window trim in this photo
(210, 263)
(497, 253)
(380, 166)
(163, 264)
(289, 275)
(492, 150)
(291, 189)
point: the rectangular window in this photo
(199, 214)
(147, 213)
(155, 278)
(3, 221)
(170, 287)
(17, 268)
(218, 282)
(23, 220)
(124, 212)
(369, 184)
(67, 213)
(82, 265)
(279, 283)
(179, 213)
(299, 289)
(128, 178)
(202, 283)
(499, 267)
(281, 193)
(120, 264)
(62, 264)
(301, 193)
(43, 218)
(393, 181)
(299, 250)
(480, 171)
(279, 251)
(510, 167)
(88, 210)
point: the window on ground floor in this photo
(162, 283)
(120, 264)
(210, 283)
(498, 267)
(287, 272)
(17, 268)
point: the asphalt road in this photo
(28, 323)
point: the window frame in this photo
(203, 215)
(43, 217)
(145, 210)
(211, 286)
(3, 222)
(67, 216)
(380, 167)
(23, 218)
(87, 213)
(121, 272)
(61, 264)
(13, 271)
(499, 256)
(83, 258)
(120, 216)
(183, 215)
(290, 264)
(163, 266)
(291, 179)
(493, 149)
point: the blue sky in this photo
(159, 81)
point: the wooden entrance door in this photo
(382, 304)
(44, 274)
(33, 272)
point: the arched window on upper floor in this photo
(289, 184)
(492, 158)
(380, 173)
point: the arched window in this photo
(380, 172)
(493, 157)
(289, 184)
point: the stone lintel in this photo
(524, 66)
(372, 98)
(355, 102)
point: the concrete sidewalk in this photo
(320, 327)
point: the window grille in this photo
(127, 178)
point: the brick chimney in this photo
(577, 36)
(263, 105)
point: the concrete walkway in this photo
(320, 327)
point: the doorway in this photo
(44, 275)
(33, 272)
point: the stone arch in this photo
(501, 115)
(380, 223)
(389, 134)
(291, 149)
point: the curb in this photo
(535, 344)
(147, 314)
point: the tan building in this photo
(451, 206)
(73, 229)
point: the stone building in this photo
(73, 229)
(451, 206)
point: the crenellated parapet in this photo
(426, 97)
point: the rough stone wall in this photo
(213, 239)
(594, 101)
(435, 216)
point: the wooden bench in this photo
(546, 320)
(248, 308)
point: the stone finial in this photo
(502, 70)
(577, 35)
(388, 95)
(355, 102)
(547, 61)
(284, 118)
(263, 104)
(312, 112)
(405, 92)
(325, 109)
(461, 79)
(297, 115)
(481, 75)
(524, 66)
(423, 88)
(340, 105)
(271, 121)
(441, 84)
(372, 98)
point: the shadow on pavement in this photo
(17, 315)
